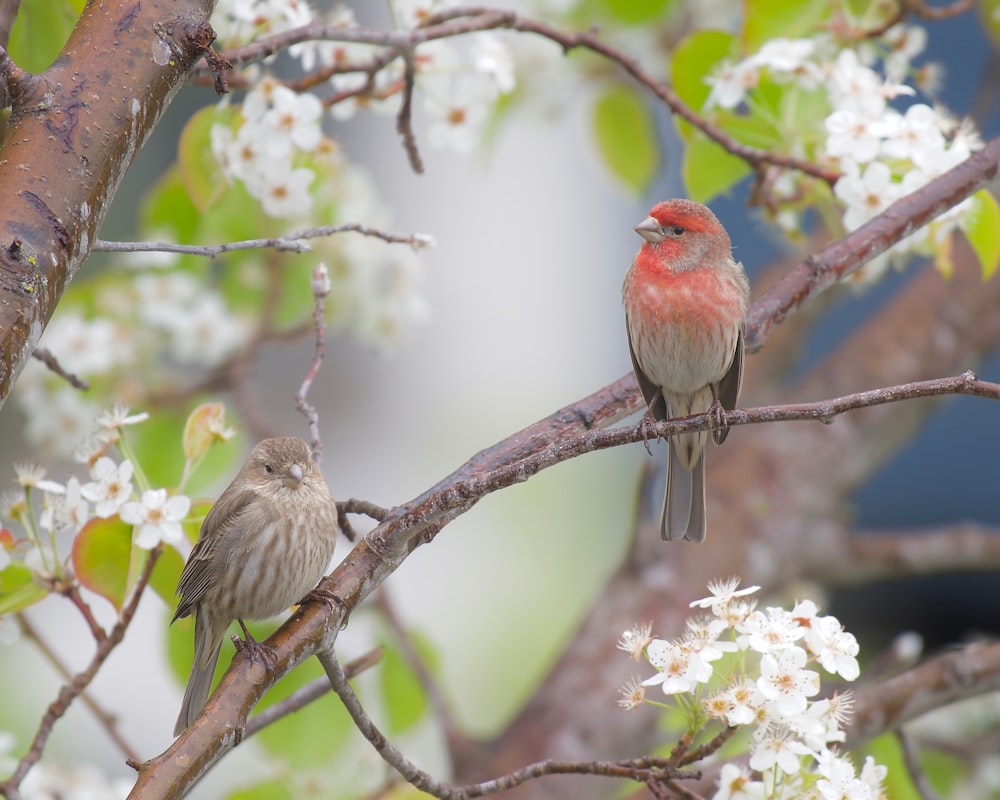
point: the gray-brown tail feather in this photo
(206, 654)
(683, 515)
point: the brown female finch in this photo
(685, 301)
(264, 545)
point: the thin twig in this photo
(354, 506)
(80, 681)
(308, 693)
(49, 360)
(457, 741)
(404, 120)
(466, 491)
(108, 720)
(912, 760)
(294, 242)
(641, 770)
(461, 21)
(73, 595)
(320, 289)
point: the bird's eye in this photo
(268, 469)
(676, 231)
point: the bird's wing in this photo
(729, 387)
(222, 518)
(647, 387)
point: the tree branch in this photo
(956, 675)
(290, 242)
(563, 435)
(842, 257)
(641, 770)
(107, 720)
(964, 547)
(59, 174)
(80, 681)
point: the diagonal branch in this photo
(642, 769)
(842, 257)
(80, 681)
(567, 433)
(956, 675)
(963, 547)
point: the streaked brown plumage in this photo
(264, 545)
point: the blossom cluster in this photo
(882, 152)
(459, 81)
(66, 507)
(167, 321)
(749, 667)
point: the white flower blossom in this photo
(66, 510)
(678, 671)
(111, 486)
(118, 417)
(735, 783)
(158, 517)
(295, 118)
(784, 681)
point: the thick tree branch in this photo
(956, 675)
(72, 136)
(844, 256)
(964, 547)
(561, 436)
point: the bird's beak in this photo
(650, 230)
(294, 476)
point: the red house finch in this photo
(264, 545)
(685, 304)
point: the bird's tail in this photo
(207, 644)
(683, 515)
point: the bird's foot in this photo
(253, 650)
(330, 599)
(647, 424)
(718, 413)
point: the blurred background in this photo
(533, 240)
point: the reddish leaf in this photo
(101, 554)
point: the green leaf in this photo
(989, 19)
(101, 554)
(788, 19)
(40, 31)
(982, 229)
(709, 170)
(626, 137)
(200, 172)
(165, 575)
(157, 446)
(942, 769)
(694, 59)
(18, 588)
(404, 698)
(268, 790)
(167, 208)
(636, 12)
